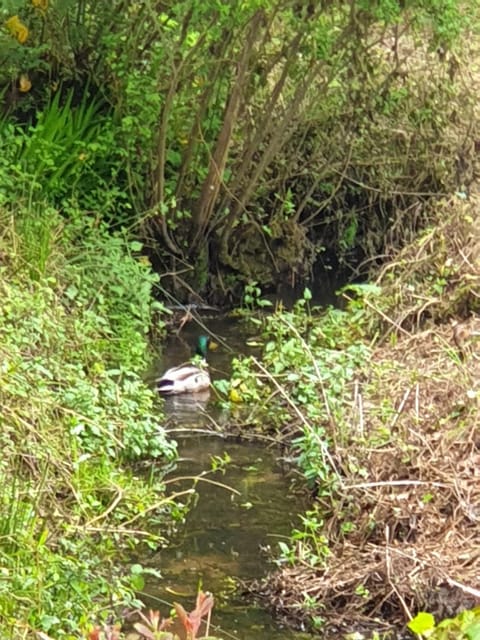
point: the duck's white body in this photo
(187, 378)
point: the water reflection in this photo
(225, 532)
(187, 407)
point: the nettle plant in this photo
(107, 275)
(86, 345)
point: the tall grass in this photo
(65, 156)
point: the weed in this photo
(154, 627)
(63, 157)
(75, 311)
(308, 545)
(252, 297)
(308, 363)
(465, 626)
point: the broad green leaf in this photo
(473, 631)
(422, 623)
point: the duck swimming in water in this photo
(188, 377)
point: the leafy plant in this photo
(252, 297)
(191, 621)
(154, 627)
(64, 155)
(98, 276)
(74, 409)
(308, 545)
(465, 626)
(308, 362)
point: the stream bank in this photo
(391, 383)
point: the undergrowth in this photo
(300, 384)
(67, 154)
(379, 403)
(76, 309)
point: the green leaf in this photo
(136, 246)
(48, 621)
(136, 569)
(137, 582)
(284, 548)
(473, 631)
(422, 623)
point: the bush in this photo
(75, 410)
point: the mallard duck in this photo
(188, 377)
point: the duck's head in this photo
(202, 346)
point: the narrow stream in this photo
(226, 532)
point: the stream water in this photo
(238, 513)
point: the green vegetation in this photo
(466, 626)
(234, 146)
(379, 402)
(247, 138)
(76, 308)
(303, 375)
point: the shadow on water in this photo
(226, 531)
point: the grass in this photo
(75, 414)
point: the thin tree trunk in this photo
(196, 128)
(159, 175)
(277, 140)
(212, 183)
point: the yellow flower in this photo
(17, 29)
(24, 83)
(40, 4)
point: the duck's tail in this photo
(165, 386)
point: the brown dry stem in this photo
(411, 461)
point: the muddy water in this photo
(246, 509)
